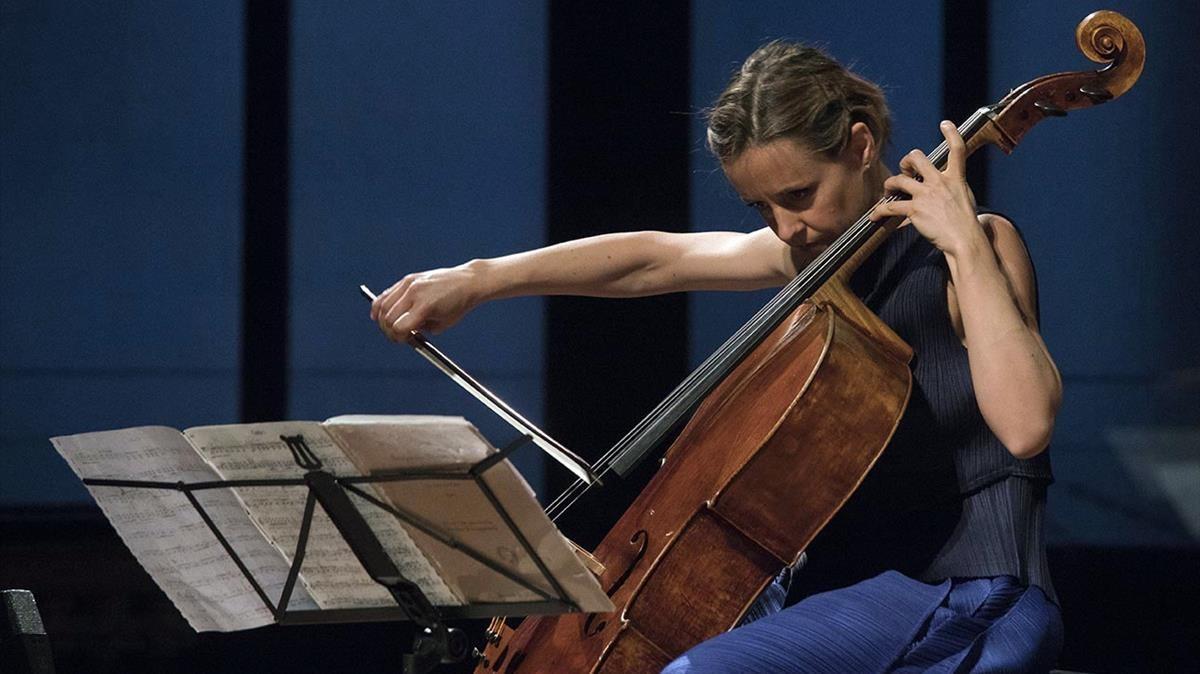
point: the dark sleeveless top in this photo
(946, 499)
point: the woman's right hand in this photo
(430, 301)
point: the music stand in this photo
(435, 643)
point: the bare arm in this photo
(630, 264)
(1016, 383)
(637, 264)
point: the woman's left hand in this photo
(941, 206)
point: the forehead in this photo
(774, 167)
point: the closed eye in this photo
(796, 196)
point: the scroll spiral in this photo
(1104, 37)
(1108, 37)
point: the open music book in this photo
(171, 541)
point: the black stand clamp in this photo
(435, 643)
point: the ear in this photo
(860, 150)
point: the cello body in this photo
(766, 461)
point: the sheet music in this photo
(459, 509)
(167, 535)
(262, 524)
(510, 489)
(330, 571)
(410, 441)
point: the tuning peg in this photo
(1049, 109)
(1097, 95)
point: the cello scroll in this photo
(1104, 37)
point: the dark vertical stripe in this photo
(965, 73)
(617, 160)
(264, 352)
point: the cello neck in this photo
(840, 260)
(977, 131)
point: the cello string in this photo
(721, 357)
(716, 361)
(712, 363)
(767, 314)
(855, 235)
(784, 297)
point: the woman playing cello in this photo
(937, 562)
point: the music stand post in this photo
(434, 642)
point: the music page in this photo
(167, 535)
(464, 511)
(330, 571)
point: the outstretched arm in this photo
(632, 264)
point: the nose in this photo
(788, 225)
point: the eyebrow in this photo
(782, 194)
(809, 185)
(806, 186)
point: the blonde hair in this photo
(790, 90)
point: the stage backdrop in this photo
(418, 140)
(120, 225)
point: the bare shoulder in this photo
(1014, 262)
(784, 260)
(1015, 265)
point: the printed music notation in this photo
(262, 523)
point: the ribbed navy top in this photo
(946, 499)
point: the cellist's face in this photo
(806, 198)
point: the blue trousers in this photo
(892, 623)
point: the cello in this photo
(787, 418)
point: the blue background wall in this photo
(418, 141)
(1100, 196)
(120, 225)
